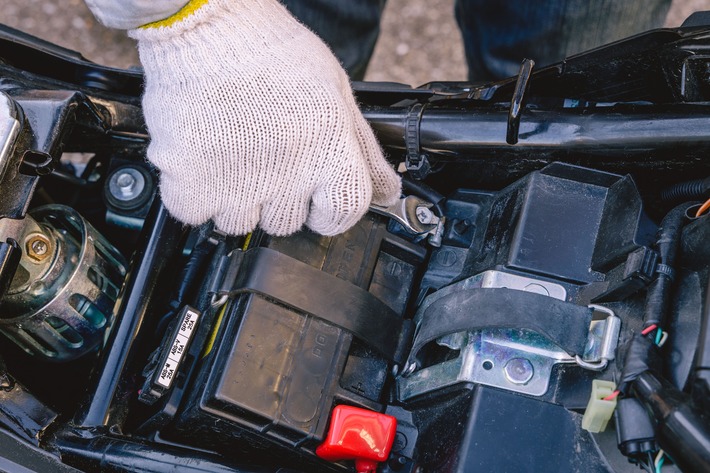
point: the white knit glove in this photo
(253, 121)
(126, 14)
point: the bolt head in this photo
(519, 371)
(38, 247)
(125, 181)
(126, 184)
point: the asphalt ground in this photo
(419, 42)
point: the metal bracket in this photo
(602, 341)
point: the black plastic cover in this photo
(506, 432)
(564, 222)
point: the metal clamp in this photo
(602, 342)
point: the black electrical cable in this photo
(71, 179)
(418, 188)
(194, 266)
(683, 431)
(688, 190)
(668, 242)
(640, 353)
(647, 464)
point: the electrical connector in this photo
(635, 434)
(599, 411)
(638, 271)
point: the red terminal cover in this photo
(360, 435)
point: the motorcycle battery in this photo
(313, 322)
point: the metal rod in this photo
(635, 134)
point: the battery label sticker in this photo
(177, 348)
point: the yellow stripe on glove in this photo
(191, 7)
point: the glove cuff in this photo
(128, 14)
(181, 15)
(189, 17)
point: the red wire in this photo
(611, 396)
(649, 329)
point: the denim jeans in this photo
(498, 35)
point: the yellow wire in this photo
(213, 335)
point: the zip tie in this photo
(667, 270)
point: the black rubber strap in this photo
(563, 323)
(300, 286)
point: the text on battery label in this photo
(177, 348)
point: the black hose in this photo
(689, 190)
(428, 193)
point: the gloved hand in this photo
(253, 121)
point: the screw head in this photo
(424, 215)
(519, 370)
(38, 247)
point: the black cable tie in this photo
(667, 270)
(416, 162)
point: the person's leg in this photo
(499, 35)
(349, 27)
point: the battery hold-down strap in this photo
(307, 289)
(563, 323)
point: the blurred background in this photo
(419, 42)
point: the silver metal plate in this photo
(516, 360)
(9, 129)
